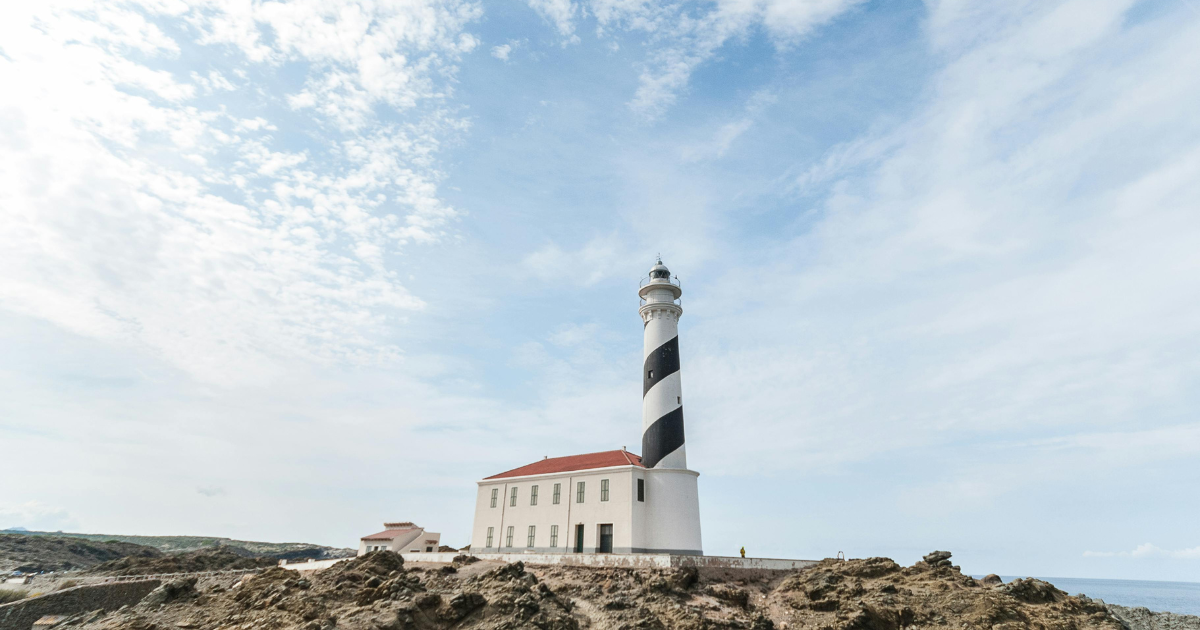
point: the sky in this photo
(284, 271)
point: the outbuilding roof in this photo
(389, 534)
(603, 459)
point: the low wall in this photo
(312, 565)
(20, 615)
(645, 560)
(735, 562)
(637, 560)
(633, 560)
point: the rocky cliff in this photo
(379, 591)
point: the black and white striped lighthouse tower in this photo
(662, 392)
(670, 516)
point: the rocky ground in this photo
(34, 554)
(1144, 619)
(218, 559)
(379, 591)
(184, 544)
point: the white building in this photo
(611, 501)
(404, 537)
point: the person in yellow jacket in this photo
(743, 552)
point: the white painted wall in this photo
(672, 519)
(667, 522)
(617, 511)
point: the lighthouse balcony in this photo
(659, 290)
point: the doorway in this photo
(579, 538)
(605, 539)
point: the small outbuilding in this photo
(401, 537)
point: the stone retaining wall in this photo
(633, 560)
(20, 615)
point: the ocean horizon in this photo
(1182, 598)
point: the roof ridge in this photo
(568, 463)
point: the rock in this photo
(684, 578)
(733, 595)
(856, 594)
(937, 556)
(1141, 618)
(762, 622)
(992, 579)
(462, 605)
(171, 591)
(428, 600)
(872, 567)
(1033, 591)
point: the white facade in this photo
(664, 520)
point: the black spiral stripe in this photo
(661, 363)
(665, 434)
(662, 438)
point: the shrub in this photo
(9, 595)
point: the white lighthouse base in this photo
(668, 521)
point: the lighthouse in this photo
(609, 501)
(662, 391)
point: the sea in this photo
(1178, 597)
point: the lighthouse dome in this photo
(659, 270)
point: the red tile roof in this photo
(388, 534)
(605, 459)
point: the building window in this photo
(428, 549)
(641, 489)
(579, 492)
(532, 531)
(557, 492)
(512, 499)
(495, 495)
(489, 538)
(553, 536)
(508, 538)
(533, 496)
(603, 489)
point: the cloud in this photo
(684, 36)
(501, 52)
(996, 262)
(560, 13)
(136, 215)
(364, 54)
(731, 131)
(1147, 550)
(213, 82)
(593, 262)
